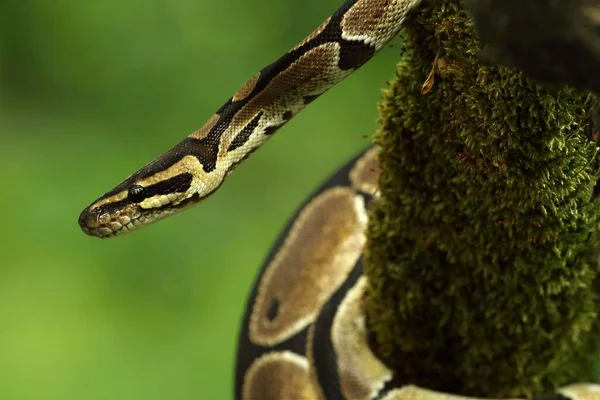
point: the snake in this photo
(304, 333)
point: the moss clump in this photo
(481, 250)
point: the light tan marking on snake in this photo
(365, 173)
(278, 376)
(329, 233)
(246, 89)
(362, 375)
(581, 391)
(202, 132)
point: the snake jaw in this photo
(108, 221)
(105, 219)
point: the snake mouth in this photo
(106, 222)
(121, 217)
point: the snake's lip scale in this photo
(104, 232)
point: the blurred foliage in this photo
(90, 91)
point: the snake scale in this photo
(303, 335)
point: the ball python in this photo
(303, 335)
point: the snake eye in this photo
(136, 194)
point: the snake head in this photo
(132, 205)
(163, 187)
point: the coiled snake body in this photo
(303, 335)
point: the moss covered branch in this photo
(481, 250)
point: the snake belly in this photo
(303, 335)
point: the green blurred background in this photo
(89, 92)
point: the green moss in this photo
(481, 250)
